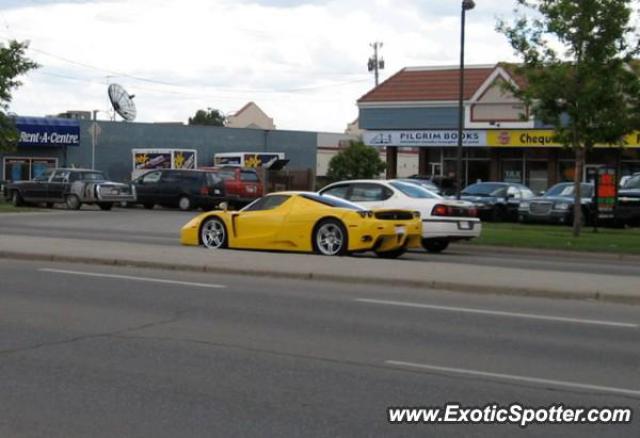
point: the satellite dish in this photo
(122, 102)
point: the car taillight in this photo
(204, 190)
(440, 210)
(473, 212)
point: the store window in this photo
(25, 169)
(537, 176)
(512, 171)
(567, 169)
(475, 166)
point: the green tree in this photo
(577, 60)
(13, 63)
(208, 117)
(356, 161)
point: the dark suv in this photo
(185, 189)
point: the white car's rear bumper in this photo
(454, 228)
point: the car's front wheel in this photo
(213, 233)
(73, 202)
(330, 238)
(435, 245)
(106, 206)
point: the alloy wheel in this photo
(330, 239)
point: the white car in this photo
(443, 220)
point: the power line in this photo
(174, 84)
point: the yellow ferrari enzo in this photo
(306, 222)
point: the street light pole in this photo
(467, 5)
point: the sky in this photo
(303, 62)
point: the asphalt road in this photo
(162, 226)
(105, 352)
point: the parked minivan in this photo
(185, 189)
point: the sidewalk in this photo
(362, 270)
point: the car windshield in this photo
(485, 189)
(413, 190)
(332, 201)
(567, 189)
(633, 183)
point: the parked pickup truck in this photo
(73, 187)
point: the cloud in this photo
(304, 62)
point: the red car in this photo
(242, 184)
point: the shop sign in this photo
(41, 131)
(426, 138)
(605, 190)
(540, 138)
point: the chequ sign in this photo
(43, 131)
(426, 138)
(540, 138)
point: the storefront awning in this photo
(47, 131)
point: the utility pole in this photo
(375, 62)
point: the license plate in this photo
(251, 189)
(464, 225)
(401, 230)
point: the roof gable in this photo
(433, 84)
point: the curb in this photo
(542, 252)
(431, 284)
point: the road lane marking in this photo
(129, 277)
(498, 313)
(560, 383)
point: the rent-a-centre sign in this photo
(47, 132)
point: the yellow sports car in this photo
(306, 222)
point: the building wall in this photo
(496, 104)
(116, 140)
(407, 162)
(409, 118)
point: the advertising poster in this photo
(227, 160)
(184, 160)
(152, 160)
(260, 160)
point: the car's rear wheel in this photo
(394, 254)
(48, 204)
(72, 202)
(213, 233)
(435, 245)
(330, 238)
(148, 205)
(106, 206)
(16, 199)
(184, 203)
